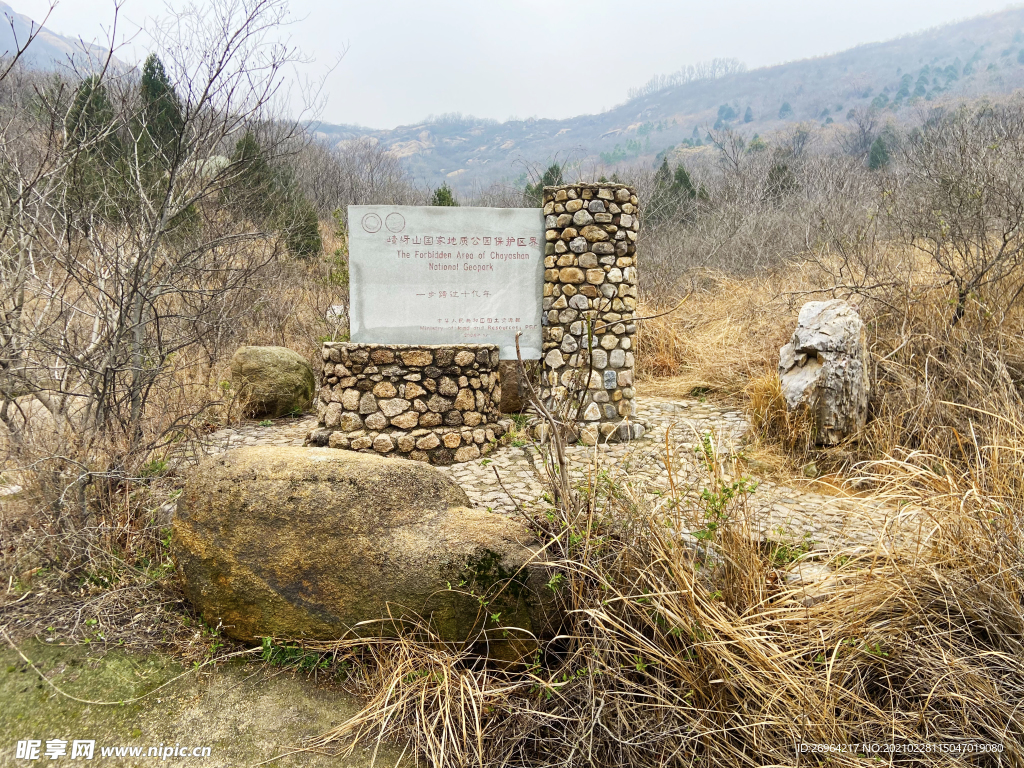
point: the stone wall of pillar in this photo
(590, 295)
(437, 404)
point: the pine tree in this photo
(302, 233)
(270, 198)
(552, 178)
(90, 128)
(726, 112)
(780, 182)
(878, 156)
(663, 202)
(162, 122)
(785, 111)
(682, 185)
(91, 118)
(257, 191)
(748, 116)
(444, 196)
(663, 176)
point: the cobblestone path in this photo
(514, 474)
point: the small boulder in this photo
(514, 388)
(271, 381)
(310, 542)
(824, 369)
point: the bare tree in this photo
(865, 124)
(957, 196)
(120, 250)
(354, 172)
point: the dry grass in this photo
(678, 651)
(720, 337)
(937, 387)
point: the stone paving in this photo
(513, 475)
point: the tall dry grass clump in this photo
(950, 390)
(721, 335)
(683, 643)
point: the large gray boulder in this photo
(272, 381)
(824, 370)
(310, 542)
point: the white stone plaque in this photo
(447, 275)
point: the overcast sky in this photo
(407, 59)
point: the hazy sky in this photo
(406, 59)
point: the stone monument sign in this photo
(447, 275)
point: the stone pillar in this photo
(590, 294)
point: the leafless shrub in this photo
(956, 195)
(120, 261)
(356, 172)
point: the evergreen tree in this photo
(663, 176)
(780, 182)
(90, 129)
(161, 110)
(673, 193)
(878, 157)
(682, 185)
(785, 111)
(444, 196)
(661, 203)
(552, 178)
(302, 232)
(91, 118)
(257, 190)
(726, 112)
(270, 198)
(757, 144)
(748, 116)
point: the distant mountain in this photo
(983, 55)
(49, 50)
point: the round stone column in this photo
(590, 293)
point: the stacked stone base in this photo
(437, 404)
(612, 432)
